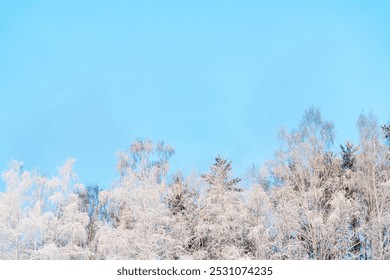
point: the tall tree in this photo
(41, 217)
(309, 193)
(372, 179)
(222, 227)
(139, 219)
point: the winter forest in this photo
(315, 199)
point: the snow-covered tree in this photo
(16, 232)
(348, 156)
(308, 197)
(40, 216)
(139, 219)
(372, 180)
(261, 216)
(222, 228)
(182, 201)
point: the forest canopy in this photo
(313, 200)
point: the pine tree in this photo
(386, 132)
(348, 154)
(220, 175)
(222, 228)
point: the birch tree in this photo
(40, 216)
(373, 177)
(140, 221)
(308, 196)
(261, 216)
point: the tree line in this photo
(310, 201)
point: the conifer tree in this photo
(348, 154)
(222, 227)
(386, 132)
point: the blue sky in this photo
(83, 79)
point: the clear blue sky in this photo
(83, 79)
